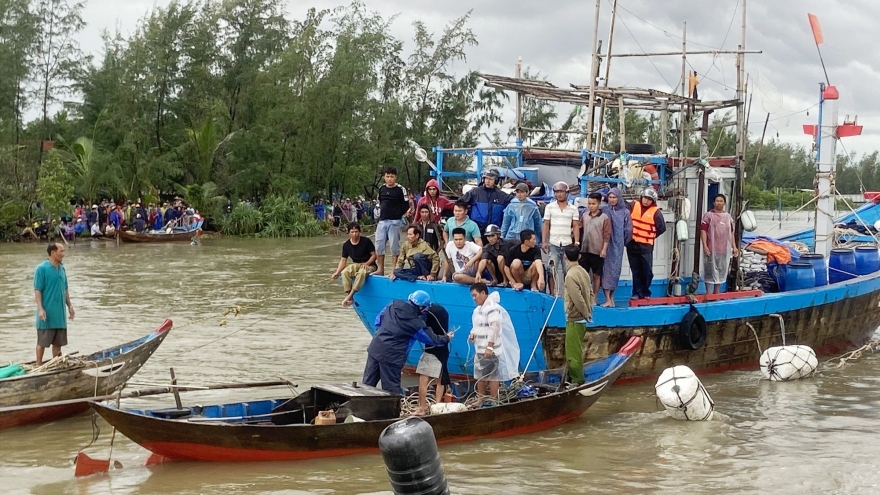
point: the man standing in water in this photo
(51, 296)
(716, 233)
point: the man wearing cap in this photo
(92, 217)
(487, 201)
(561, 229)
(648, 224)
(522, 213)
(397, 326)
(492, 258)
(140, 226)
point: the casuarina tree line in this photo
(230, 99)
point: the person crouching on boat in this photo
(433, 363)
(397, 326)
(424, 264)
(496, 357)
(648, 224)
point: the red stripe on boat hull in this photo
(179, 451)
(41, 415)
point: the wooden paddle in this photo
(86, 465)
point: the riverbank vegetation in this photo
(217, 101)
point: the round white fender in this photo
(683, 395)
(789, 362)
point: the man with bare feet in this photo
(363, 262)
(523, 263)
(51, 296)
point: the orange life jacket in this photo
(644, 229)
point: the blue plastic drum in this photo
(820, 269)
(799, 275)
(841, 265)
(867, 260)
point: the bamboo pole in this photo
(601, 125)
(697, 52)
(594, 55)
(519, 101)
(147, 392)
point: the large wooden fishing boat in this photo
(708, 334)
(284, 429)
(43, 396)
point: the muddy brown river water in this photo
(820, 435)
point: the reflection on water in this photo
(813, 436)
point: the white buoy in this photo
(788, 362)
(683, 395)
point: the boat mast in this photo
(601, 123)
(594, 71)
(826, 153)
(742, 137)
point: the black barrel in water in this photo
(412, 459)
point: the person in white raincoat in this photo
(496, 357)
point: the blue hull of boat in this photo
(530, 310)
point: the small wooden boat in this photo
(43, 396)
(285, 429)
(175, 234)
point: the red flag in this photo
(817, 29)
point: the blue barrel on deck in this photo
(820, 269)
(412, 459)
(799, 275)
(867, 260)
(841, 265)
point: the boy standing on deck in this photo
(393, 206)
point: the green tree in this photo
(54, 188)
(58, 57)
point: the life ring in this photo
(692, 330)
(652, 170)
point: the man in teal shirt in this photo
(460, 219)
(51, 295)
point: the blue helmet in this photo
(420, 298)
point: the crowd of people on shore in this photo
(106, 218)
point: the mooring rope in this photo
(844, 359)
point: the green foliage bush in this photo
(277, 216)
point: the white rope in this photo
(538, 342)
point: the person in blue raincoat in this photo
(398, 326)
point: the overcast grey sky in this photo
(557, 40)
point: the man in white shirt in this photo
(561, 228)
(464, 257)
